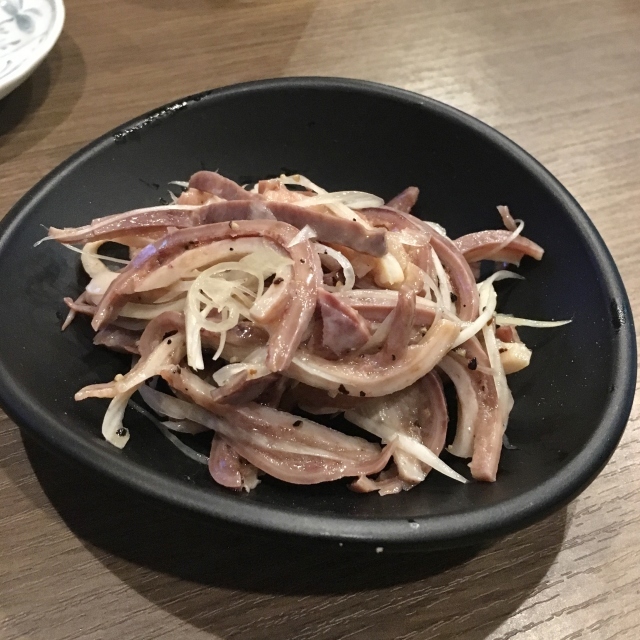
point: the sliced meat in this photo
(241, 388)
(420, 412)
(118, 339)
(479, 431)
(331, 229)
(228, 469)
(286, 335)
(507, 333)
(406, 200)
(343, 329)
(387, 483)
(489, 245)
(213, 182)
(376, 374)
(401, 328)
(162, 219)
(375, 305)
(285, 446)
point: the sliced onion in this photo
(347, 268)
(505, 243)
(504, 320)
(306, 233)
(184, 426)
(488, 301)
(90, 251)
(462, 445)
(149, 311)
(112, 421)
(351, 199)
(445, 285)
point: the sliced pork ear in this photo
(228, 469)
(332, 229)
(479, 430)
(241, 389)
(118, 339)
(285, 446)
(490, 245)
(318, 402)
(420, 412)
(376, 374)
(161, 219)
(401, 328)
(406, 200)
(376, 304)
(507, 333)
(286, 335)
(213, 182)
(343, 329)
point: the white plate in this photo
(28, 31)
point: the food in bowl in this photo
(252, 304)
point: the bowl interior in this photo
(342, 135)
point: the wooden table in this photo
(562, 78)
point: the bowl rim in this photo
(450, 529)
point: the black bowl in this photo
(571, 405)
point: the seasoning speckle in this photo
(121, 432)
(454, 297)
(342, 389)
(362, 394)
(277, 281)
(473, 364)
(297, 423)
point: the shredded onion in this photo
(352, 199)
(505, 320)
(347, 268)
(306, 233)
(113, 430)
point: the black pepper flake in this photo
(230, 248)
(121, 432)
(297, 423)
(393, 356)
(342, 389)
(454, 297)
(362, 394)
(277, 281)
(355, 220)
(169, 341)
(302, 260)
(473, 364)
(502, 350)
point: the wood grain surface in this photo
(560, 77)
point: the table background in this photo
(561, 78)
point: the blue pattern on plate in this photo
(24, 24)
